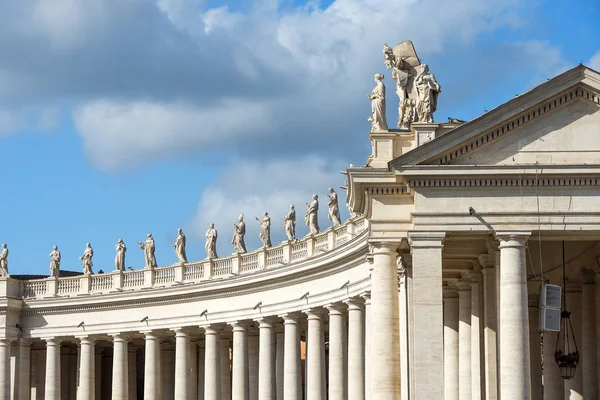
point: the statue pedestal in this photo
(388, 145)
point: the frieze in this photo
(505, 182)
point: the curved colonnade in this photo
(282, 322)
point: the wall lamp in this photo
(203, 313)
(145, 319)
(345, 285)
(305, 296)
(81, 324)
(257, 305)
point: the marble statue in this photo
(290, 223)
(4, 262)
(377, 97)
(400, 74)
(148, 247)
(120, 258)
(86, 257)
(333, 212)
(311, 218)
(211, 242)
(179, 246)
(265, 230)
(428, 90)
(239, 231)
(408, 113)
(54, 262)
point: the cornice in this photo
(514, 181)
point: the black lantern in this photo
(566, 354)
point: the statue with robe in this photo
(428, 90)
(4, 262)
(211, 242)
(265, 230)
(86, 258)
(290, 223)
(377, 97)
(311, 218)
(120, 257)
(179, 246)
(239, 231)
(333, 212)
(55, 262)
(148, 247)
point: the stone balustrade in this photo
(193, 272)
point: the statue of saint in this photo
(120, 258)
(388, 55)
(334, 211)
(86, 257)
(265, 230)
(311, 218)
(211, 242)
(428, 90)
(4, 262)
(377, 97)
(148, 247)
(290, 223)
(179, 246)
(239, 231)
(54, 262)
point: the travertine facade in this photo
(429, 292)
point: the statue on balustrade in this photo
(211, 242)
(311, 218)
(4, 262)
(239, 231)
(148, 247)
(86, 257)
(428, 90)
(55, 262)
(290, 223)
(120, 258)
(333, 212)
(265, 230)
(179, 246)
(377, 97)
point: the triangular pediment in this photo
(557, 122)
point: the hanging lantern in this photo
(566, 353)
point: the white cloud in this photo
(253, 187)
(594, 62)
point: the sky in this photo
(120, 118)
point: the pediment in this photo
(557, 122)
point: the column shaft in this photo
(477, 389)
(337, 389)
(403, 310)
(356, 350)
(193, 371)
(367, 298)
(120, 376)
(589, 346)
(182, 364)
(266, 361)
(5, 346)
(201, 373)
(315, 368)
(133, 372)
(24, 373)
(280, 345)
(152, 373)
(464, 342)
(225, 363)
(52, 387)
(535, 348)
(239, 379)
(451, 348)
(515, 366)
(253, 344)
(212, 367)
(489, 332)
(87, 375)
(291, 354)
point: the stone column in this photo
(182, 363)
(193, 371)
(225, 363)
(239, 379)
(291, 354)
(553, 382)
(212, 367)
(5, 346)
(451, 346)
(167, 368)
(315, 368)
(464, 340)
(52, 386)
(133, 372)
(356, 349)
(24, 372)
(266, 361)
(253, 363)
(574, 387)
(477, 389)
(280, 344)
(535, 348)
(403, 326)
(427, 345)
(87, 375)
(152, 373)
(385, 335)
(367, 298)
(120, 375)
(589, 346)
(201, 373)
(490, 321)
(337, 389)
(98, 372)
(515, 366)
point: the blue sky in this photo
(123, 117)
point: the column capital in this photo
(120, 337)
(267, 322)
(366, 296)
(462, 284)
(291, 318)
(492, 243)
(214, 329)
(355, 303)
(426, 240)
(25, 342)
(378, 246)
(336, 308)
(314, 313)
(150, 335)
(86, 340)
(55, 341)
(239, 326)
(181, 332)
(587, 276)
(486, 261)
(510, 239)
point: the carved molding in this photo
(505, 182)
